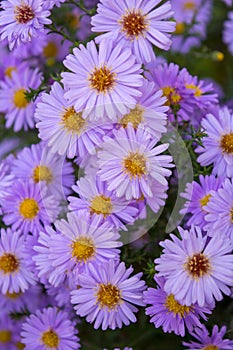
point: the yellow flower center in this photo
(29, 208)
(42, 173)
(24, 13)
(83, 249)
(197, 90)
(211, 347)
(134, 23)
(50, 339)
(189, 5)
(173, 306)
(50, 50)
(205, 200)
(108, 295)
(73, 121)
(179, 28)
(9, 70)
(20, 346)
(173, 98)
(8, 263)
(19, 98)
(13, 296)
(102, 79)
(101, 205)
(198, 265)
(227, 143)
(231, 214)
(5, 336)
(135, 165)
(134, 117)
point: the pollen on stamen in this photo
(198, 265)
(135, 165)
(83, 249)
(108, 296)
(226, 143)
(42, 173)
(50, 339)
(9, 263)
(174, 306)
(173, 98)
(72, 121)
(101, 205)
(211, 347)
(102, 79)
(9, 71)
(205, 200)
(24, 13)
(134, 23)
(19, 99)
(5, 336)
(197, 90)
(135, 117)
(29, 208)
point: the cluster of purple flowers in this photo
(97, 162)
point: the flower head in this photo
(15, 276)
(107, 294)
(129, 162)
(49, 329)
(138, 25)
(206, 341)
(21, 20)
(197, 269)
(102, 83)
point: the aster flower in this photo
(6, 181)
(9, 333)
(27, 206)
(198, 196)
(102, 83)
(49, 4)
(170, 79)
(167, 312)
(150, 111)
(129, 162)
(49, 329)
(107, 294)
(197, 269)
(21, 20)
(13, 103)
(41, 165)
(97, 199)
(65, 130)
(81, 241)
(206, 341)
(15, 276)
(227, 32)
(139, 25)
(219, 211)
(217, 146)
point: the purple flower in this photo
(106, 294)
(21, 20)
(139, 25)
(217, 146)
(214, 341)
(149, 111)
(81, 241)
(102, 83)
(95, 198)
(27, 206)
(39, 164)
(170, 80)
(49, 4)
(9, 333)
(129, 163)
(167, 312)
(197, 269)
(6, 181)
(65, 130)
(13, 103)
(49, 329)
(15, 276)
(219, 211)
(198, 196)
